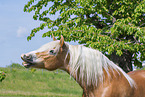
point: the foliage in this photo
(2, 75)
(32, 70)
(143, 68)
(108, 25)
(15, 65)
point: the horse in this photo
(93, 71)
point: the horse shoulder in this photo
(118, 87)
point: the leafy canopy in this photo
(108, 25)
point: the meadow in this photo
(21, 82)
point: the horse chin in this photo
(27, 65)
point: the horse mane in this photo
(90, 64)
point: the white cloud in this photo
(22, 32)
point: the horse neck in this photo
(110, 71)
(67, 68)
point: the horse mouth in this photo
(27, 65)
(27, 62)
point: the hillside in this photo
(23, 83)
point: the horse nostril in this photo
(28, 57)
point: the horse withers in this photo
(94, 72)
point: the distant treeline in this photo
(15, 65)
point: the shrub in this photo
(2, 76)
(15, 65)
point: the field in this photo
(24, 83)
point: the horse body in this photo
(118, 86)
(94, 72)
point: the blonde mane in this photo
(90, 64)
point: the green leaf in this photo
(119, 52)
(28, 38)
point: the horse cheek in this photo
(51, 64)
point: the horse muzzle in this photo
(28, 60)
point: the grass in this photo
(23, 83)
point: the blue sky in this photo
(15, 26)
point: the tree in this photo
(115, 27)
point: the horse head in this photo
(50, 56)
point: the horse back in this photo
(139, 78)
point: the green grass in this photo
(23, 83)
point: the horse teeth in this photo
(25, 63)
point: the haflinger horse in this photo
(94, 72)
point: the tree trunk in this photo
(124, 61)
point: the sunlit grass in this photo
(23, 83)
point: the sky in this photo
(15, 26)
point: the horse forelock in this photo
(91, 64)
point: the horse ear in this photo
(61, 41)
(54, 39)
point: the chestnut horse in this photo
(94, 72)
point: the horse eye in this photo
(52, 52)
